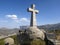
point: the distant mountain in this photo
(46, 27)
(6, 31)
(50, 26)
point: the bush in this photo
(37, 42)
(2, 42)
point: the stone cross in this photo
(33, 15)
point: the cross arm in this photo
(29, 10)
(36, 11)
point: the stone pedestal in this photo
(34, 33)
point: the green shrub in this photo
(37, 42)
(2, 42)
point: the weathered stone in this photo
(34, 32)
(9, 41)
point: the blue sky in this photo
(13, 13)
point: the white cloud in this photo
(12, 16)
(16, 19)
(24, 20)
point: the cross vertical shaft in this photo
(33, 15)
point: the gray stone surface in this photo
(34, 32)
(9, 40)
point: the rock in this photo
(34, 32)
(10, 41)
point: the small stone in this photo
(10, 41)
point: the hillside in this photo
(50, 26)
(6, 31)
